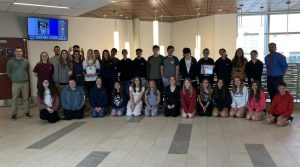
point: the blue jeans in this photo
(101, 113)
(151, 112)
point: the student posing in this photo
(282, 107)
(48, 101)
(119, 100)
(136, 92)
(238, 64)
(205, 107)
(72, 99)
(152, 100)
(188, 67)
(91, 69)
(239, 94)
(257, 102)
(98, 99)
(172, 99)
(221, 100)
(44, 69)
(188, 97)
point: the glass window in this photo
(251, 24)
(294, 23)
(288, 45)
(278, 23)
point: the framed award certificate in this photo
(207, 69)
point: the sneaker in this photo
(27, 115)
(13, 117)
(290, 119)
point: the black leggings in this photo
(89, 85)
(174, 112)
(50, 117)
(200, 111)
(76, 114)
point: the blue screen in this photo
(47, 29)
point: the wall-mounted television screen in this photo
(47, 29)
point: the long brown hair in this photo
(239, 60)
(256, 94)
(52, 88)
(235, 88)
(219, 92)
(61, 59)
(115, 91)
(184, 89)
(41, 60)
(105, 62)
(134, 86)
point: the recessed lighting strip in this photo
(46, 6)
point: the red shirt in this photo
(44, 71)
(259, 105)
(282, 105)
(188, 101)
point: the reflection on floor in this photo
(147, 142)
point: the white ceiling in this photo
(77, 7)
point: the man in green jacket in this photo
(17, 70)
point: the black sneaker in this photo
(13, 117)
(290, 119)
(27, 115)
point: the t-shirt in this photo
(44, 71)
(188, 63)
(169, 66)
(154, 63)
(204, 97)
(91, 68)
(47, 98)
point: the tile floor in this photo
(147, 142)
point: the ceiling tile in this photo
(4, 6)
(22, 9)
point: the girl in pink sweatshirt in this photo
(256, 104)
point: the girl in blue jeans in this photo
(152, 100)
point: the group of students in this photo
(126, 87)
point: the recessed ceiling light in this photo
(112, 1)
(46, 6)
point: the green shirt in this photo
(17, 70)
(153, 67)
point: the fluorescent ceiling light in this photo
(46, 6)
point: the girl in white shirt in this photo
(136, 92)
(91, 69)
(239, 94)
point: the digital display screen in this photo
(47, 29)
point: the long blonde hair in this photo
(88, 57)
(155, 91)
(184, 89)
(202, 91)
